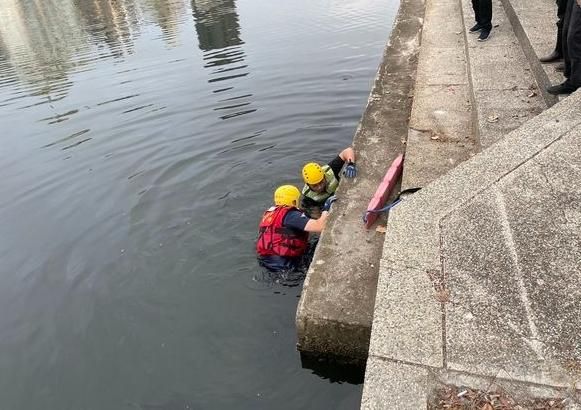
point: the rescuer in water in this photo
(322, 181)
(283, 232)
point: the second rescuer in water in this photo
(322, 181)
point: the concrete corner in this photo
(494, 289)
(395, 386)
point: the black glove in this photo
(328, 203)
(350, 170)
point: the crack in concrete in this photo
(493, 182)
(446, 291)
(534, 342)
(510, 379)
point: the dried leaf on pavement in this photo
(451, 397)
(443, 296)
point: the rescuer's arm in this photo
(348, 155)
(317, 225)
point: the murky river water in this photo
(140, 142)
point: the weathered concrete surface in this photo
(335, 310)
(416, 339)
(395, 385)
(440, 133)
(392, 385)
(467, 95)
(494, 248)
(505, 92)
(533, 22)
(479, 281)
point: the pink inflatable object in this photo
(384, 190)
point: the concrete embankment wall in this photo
(335, 311)
(441, 96)
(478, 289)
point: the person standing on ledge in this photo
(483, 17)
(283, 232)
(571, 50)
(322, 181)
(557, 53)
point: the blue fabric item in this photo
(378, 211)
(350, 170)
(277, 263)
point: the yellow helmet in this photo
(287, 195)
(313, 173)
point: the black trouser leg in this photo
(561, 9)
(559, 45)
(574, 46)
(476, 8)
(485, 7)
(566, 21)
(483, 13)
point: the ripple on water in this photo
(146, 137)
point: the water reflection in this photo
(216, 24)
(167, 15)
(218, 29)
(43, 42)
(41, 39)
(128, 203)
(113, 23)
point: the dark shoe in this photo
(563, 88)
(484, 35)
(560, 67)
(554, 56)
(475, 28)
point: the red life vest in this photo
(275, 239)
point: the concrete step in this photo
(479, 280)
(469, 94)
(505, 91)
(474, 264)
(534, 23)
(440, 134)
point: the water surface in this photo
(140, 142)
